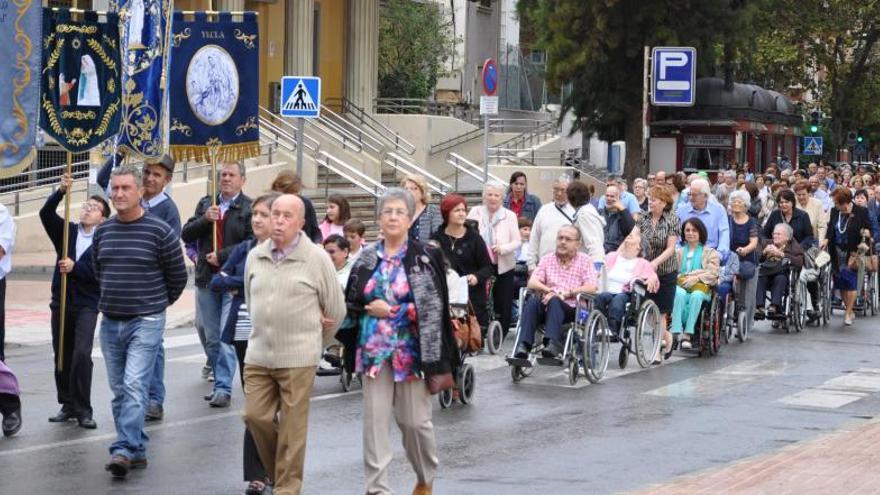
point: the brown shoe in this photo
(422, 489)
(118, 466)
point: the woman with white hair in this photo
(743, 242)
(500, 231)
(640, 191)
(773, 274)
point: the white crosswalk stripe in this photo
(838, 392)
(720, 380)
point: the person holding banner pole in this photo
(7, 243)
(73, 381)
(230, 218)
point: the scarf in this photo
(696, 261)
(487, 228)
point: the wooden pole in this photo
(62, 316)
(213, 151)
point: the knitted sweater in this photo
(286, 301)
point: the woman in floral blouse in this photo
(401, 336)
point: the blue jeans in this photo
(130, 348)
(157, 383)
(613, 306)
(554, 315)
(213, 309)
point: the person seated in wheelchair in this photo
(557, 280)
(699, 269)
(623, 268)
(778, 255)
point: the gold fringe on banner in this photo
(225, 152)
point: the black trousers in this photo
(253, 468)
(2, 319)
(74, 382)
(502, 298)
(9, 404)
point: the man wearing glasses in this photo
(73, 383)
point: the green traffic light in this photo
(860, 139)
(814, 128)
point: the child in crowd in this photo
(354, 231)
(521, 270)
(338, 212)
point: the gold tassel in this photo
(225, 153)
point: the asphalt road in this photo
(636, 428)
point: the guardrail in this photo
(467, 167)
(536, 132)
(399, 163)
(365, 139)
(355, 176)
(367, 120)
(525, 126)
(461, 111)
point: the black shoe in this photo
(759, 314)
(333, 359)
(522, 351)
(87, 422)
(220, 400)
(812, 317)
(551, 350)
(12, 423)
(63, 416)
(154, 413)
(118, 466)
(209, 396)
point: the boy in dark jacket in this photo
(74, 382)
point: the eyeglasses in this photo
(565, 238)
(394, 212)
(89, 207)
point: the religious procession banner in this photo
(20, 88)
(144, 35)
(80, 103)
(214, 90)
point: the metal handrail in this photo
(462, 164)
(325, 127)
(382, 130)
(286, 129)
(435, 183)
(365, 139)
(455, 141)
(339, 167)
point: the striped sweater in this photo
(139, 266)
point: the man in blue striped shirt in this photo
(140, 270)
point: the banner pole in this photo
(62, 316)
(213, 151)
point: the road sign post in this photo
(488, 107)
(673, 76)
(300, 98)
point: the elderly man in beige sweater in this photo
(295, 304)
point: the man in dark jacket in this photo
(618, 220)
(73, 383)
(156, 177)
(232, 216)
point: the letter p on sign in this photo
(673, 76)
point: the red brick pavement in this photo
(844, 462)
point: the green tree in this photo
(415, 40)
(597, 46)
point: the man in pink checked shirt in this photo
(559, 277)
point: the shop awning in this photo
(695, 123)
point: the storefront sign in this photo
(709, 140)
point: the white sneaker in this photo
(324, 365)
(686, 345)
(848, 320)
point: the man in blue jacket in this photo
(73, 382)
(156, 177)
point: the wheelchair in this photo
(493, 334)
(734, 320)
(707, 338)
(465, 378)
(346, 378)
(584, 338)
(867, 293)
(792, 315)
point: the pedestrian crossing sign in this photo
(301, 97)
(813, 145)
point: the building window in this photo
(705, 158)
(538, 57)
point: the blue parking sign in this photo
(673, 76)
(301, 97)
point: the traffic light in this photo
(860, 137)
(814, 121)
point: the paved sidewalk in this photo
(27, 302)
(843, 462)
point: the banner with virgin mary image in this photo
(144, 35)
(80, 103)
(215, 91)
(20, 91)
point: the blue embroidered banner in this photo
(20, 91)
(79, 82)
(145, 59)
(215, 91)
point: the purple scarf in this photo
(8, 382)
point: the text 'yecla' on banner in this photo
(214, 95)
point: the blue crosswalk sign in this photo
(301, 97)
(813, 145)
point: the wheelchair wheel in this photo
(742, 330)
(597, 347)
(799, 307)
(466, 384)
(623, 357)
(728, 319)
(346, 379)
(825, 296)
(445, 398)
(875, 298)
(649, 333)
(573, 369)
(715, 326)
(494, 337)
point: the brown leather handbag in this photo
(468, 333)
(439, 383)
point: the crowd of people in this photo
(280, 294)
